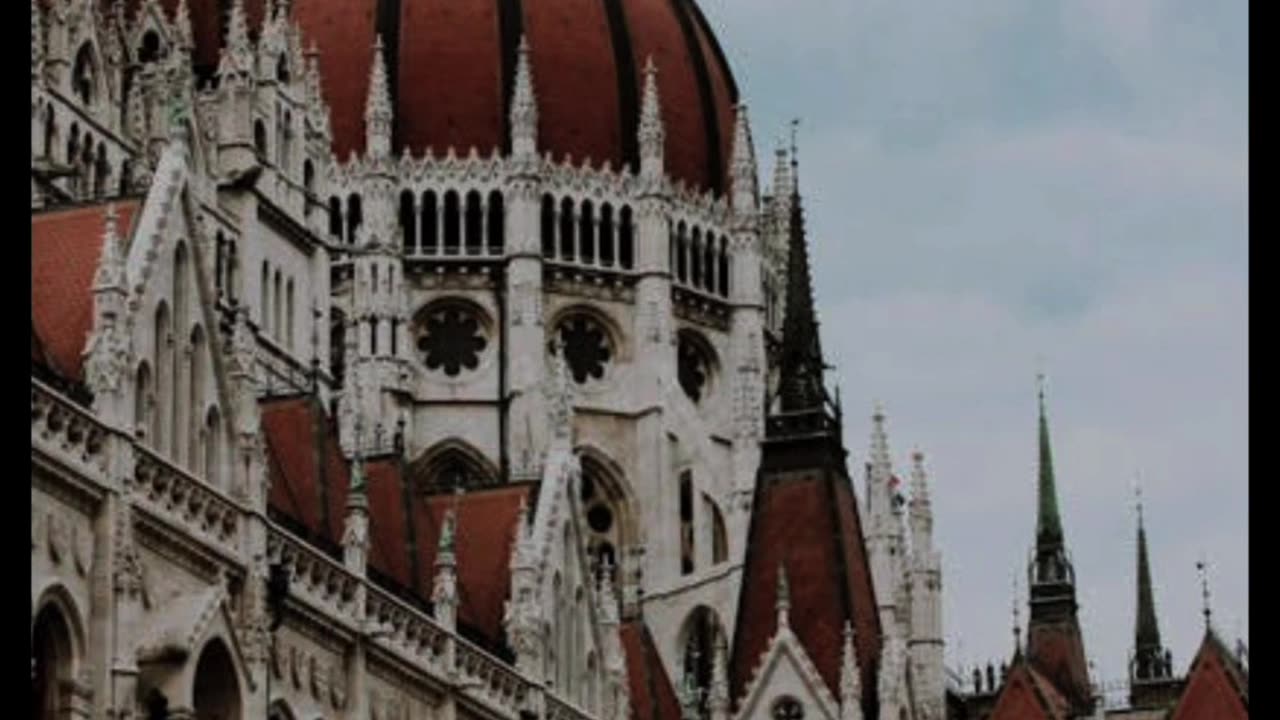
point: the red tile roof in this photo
(811, 524)
(404, 527)
(1217, 688)
(1028, 695)
(1056, 650)
(65, 247)
(652, 695)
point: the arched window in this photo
(587, 233)
(354, 218)
(566, 230)
(723, 274)
(548, 227)
(195, 398)
(84, 77)
(709, 263)
(100, 172)
(73, 143)
(219, 263)
(452, 221)
(282, 69)
(430, 223)
(607, 253)
(52, 652)
(126, 169)
(682, 252)
(163, 364)
(181, 318)
(50, 131)
(286, 142)
(213, 448)
(288, 315)
(474, 220)
(496, 221)
(149, 51)
(216, 689)
(260, 139)
(686, 522)
(308, 186)
(703, 637)
(626, 240)
(277, 308)
(695, 259)
(264, 300)
(335, 217)
(719, 540)
(233, 272)
(142, 401)
(408, 223)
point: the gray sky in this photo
(997, 185)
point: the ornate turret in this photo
(850, 679)
(742, 168)
(444, 593)
(1054, 643)
(107, 354)
(355, 531)
(377, 109)
(925, 642)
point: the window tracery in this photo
(695, 366)
(452, 338)
(586, 346)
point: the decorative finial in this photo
(783, 602)
(1017, 617)
(795, 127)
(1137, 492)
(1202, 567)
(524, 108)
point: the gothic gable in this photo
(787, 672)
(1216, 685)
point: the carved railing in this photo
(408, 631)
(490, 679)
(560, 710)
(314, 577)
(168, 492)
(67, 432)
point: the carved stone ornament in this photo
(82, 549)
(57, 537)
(337, 688)
(277, 661)
(106, 362)
(317, 679)
(295, 667)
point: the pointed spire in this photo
(651, 133)
(524, 106)
(781, 189)
(881, 464)
(802, 363)
(850, 678)
(377, 110)
(1017, 619)
(1202, 567)
(183, 37)
(919, 481)
(238, 44)
(783, 601)
(1147, 630)
(1048, 523)
(742, 166)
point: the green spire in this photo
(1048, 524)
(1147, 632)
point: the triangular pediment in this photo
(787, 671)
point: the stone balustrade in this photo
(315, 578)
(68, 432)
(168, 492)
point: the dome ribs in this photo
(715, 164)
(451, 85)
(628, 91)
(344, 32)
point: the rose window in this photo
(586, 348)
(693, 367)
(452, 340)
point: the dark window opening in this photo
(566, 230)
(548, 227)
(150, 49)
(497, 223)
(586, 233)
(682, 256)
(695, 259)
(430, 227)
(686, 522)
(723, 275)
(260, 139)
(335, 217)
(408, 222)
(354, 218)
(606, 235)
(473, 223)
(626, 245)
(451, 222)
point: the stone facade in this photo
(466, 320)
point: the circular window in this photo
(600, 519)
(788, 708)
(694, 366)
(451, 338)
(585, 343)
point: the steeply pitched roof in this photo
(811, 524)
(65, 246)
(1028, 695)
(1216, 687)
(652, 695)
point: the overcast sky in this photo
(994, 186)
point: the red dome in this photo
(454, 64)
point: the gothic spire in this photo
(802, 364)
(182, 26)
(238, 43)
(782, 602)
(1048, 523)
(651, 133)
(742, 166)
(524, 106)
(377, 109)
(1147, 650)
(850, 679)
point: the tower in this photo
(1055, 646)
(925, 640)
(1151, 681)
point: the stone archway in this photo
(611, 530)
(701, 637)
(215, 689)
(52, 663)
